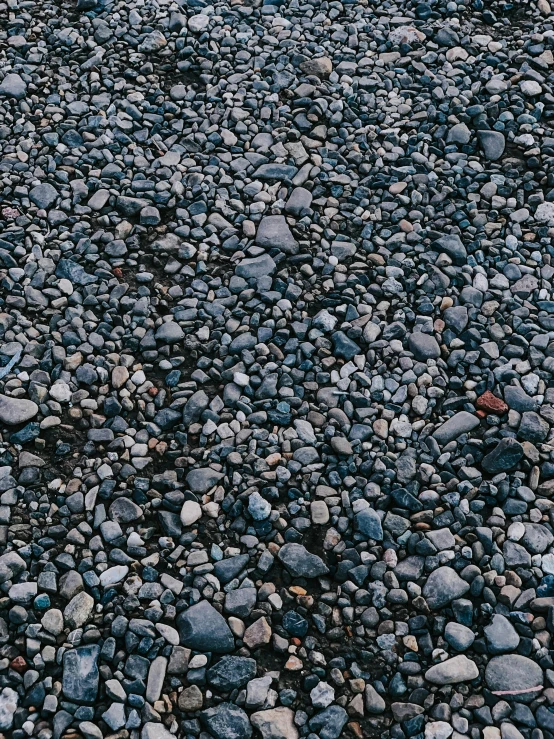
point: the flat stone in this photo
(14, 411)
(460, 423)
(457, 669)
(513, 674)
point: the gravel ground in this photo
(276, 369)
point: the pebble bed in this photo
(276, 369)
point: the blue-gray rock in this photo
(459, 134)
(443, 585)
(423, 346)
(493, 144)
(80, 674)
(459, 637)
(204, 629)
(460, 423)
(329, 723)
(203, 479)
(227, 569)
(518, 399)
(532, 428)
(300, 199)
(194, 407)
(501, 635)
(301, 563)
(255, 267)
(231, 672)
(226, 721)
(537, 538)
(274, 233)
(344, 346)
(514, 673)
(43, 195)
(268, 172)
(74, 272)
(452, 245)
(504, 456)
(369, 524)
(13, 86)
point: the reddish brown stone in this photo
(18, 664)
(491, 404)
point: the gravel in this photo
(276, 369)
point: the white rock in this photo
(190, 512)
(8, 706)
(113, 575)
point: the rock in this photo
(443, 585)
(226, 721)
(320, 67)
(301, 563)
(201, 627)
(202, 480)
(493, 144)
(513, 674)
(43, 195)
(501, 635)
(452, 245)
(504, 456)
(8, 706)
(457, 669)
(273, 232)
(275, 723)
(231, 672)
(423, 347)
(13, 86)
(373, 702)
(14, 411)
(80, 674)
(460, 423)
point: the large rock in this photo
(231, 672)
(14, 411)
(204, 629)
(493, 144)
(80, 674)
(452, 245)
(320, 67)
(458, 669)
(43, 195)
(276, 723)
(504, 456)
(202, 480)
(501, 635)
(274, 232)
(423, 346)
(226, 721)
(301, 563)
(513, 674)
(11, 565)
(13, 86)
(153, 730)
(460, 423)
(369, 524)
(329, 723)
(443, 585)
(255, 267)
(8, 706)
